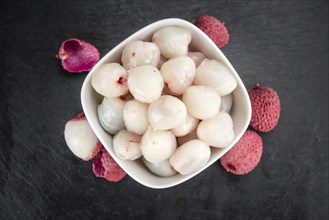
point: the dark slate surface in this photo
(280, 44)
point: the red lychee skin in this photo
(265, 104)
(78, 55)
(98, 168)
(105, 166)
(214, 28)
(80, 116)
(244, 156)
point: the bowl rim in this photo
(156, 25)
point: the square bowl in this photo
(240, 112)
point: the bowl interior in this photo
(241, 109)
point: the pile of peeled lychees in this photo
(164, 103)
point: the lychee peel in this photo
(265, 104)
(244, 156)
(98, 168)
(214, 28)
(78, 55)
(105, 166)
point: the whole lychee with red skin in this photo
(244, 156)
(105, 166)
(214, 28)
(265, 104)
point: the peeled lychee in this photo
(214, 28)
(105, 166)
(215, 74)
(78, 55)
(217, 131)
(202, 102)
(167, 112)
(80, 138)
(145, 83)
(172, 41)
(163, 168)
(190, 157)
(126, 145)
(187, 126)
(110, 80)
(265, 104)
(110, 114)
(135, 116)
(158, 145)
(178, 73)
(226, 103)
(244, 156)
(139, 53)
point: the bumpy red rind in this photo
(105, 166)
(214, 28)
(245, 155)
(265, 104)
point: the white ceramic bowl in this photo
(241, 109)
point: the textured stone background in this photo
(280, 44)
